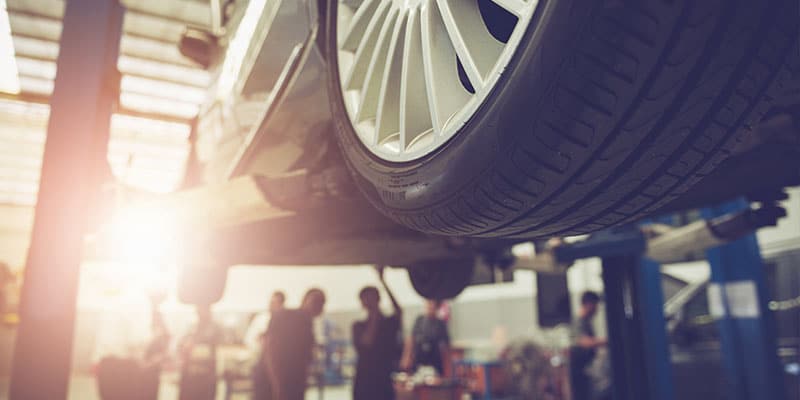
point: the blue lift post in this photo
(634, 312)
(738, 299)
(637, 329)
(638, 341)
(86, 87)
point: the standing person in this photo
(255, 339)
(584, 346)
(429, 343)
(199, 358)
(377, 343)
(254, 336)
(289, 347)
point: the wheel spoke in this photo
(370, 91)
(357, 25)
(475, 46)
(415, 114)
(446, 95)
(366, 47)
(388, 115)
(516, 7)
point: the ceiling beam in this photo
(52, 9)
(176, 11)
(42, 66)
(137, 99)
(136, 24)
(153, 50)
(43, 32)
(42, 99)
(153, 27)
(193, 13)
(193, 78)
(34, 26)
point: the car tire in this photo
(607, 111)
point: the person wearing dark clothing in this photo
(262, 389)
(377, 341)
(584, 347)
(289, 347)
(199, 359)
(429, 342)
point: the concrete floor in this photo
(83, 387)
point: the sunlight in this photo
(141, 234)
(141, 242)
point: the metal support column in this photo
(637, 334)
(86, 86)
(625, 339)
(738, 299)
(638, 343)
(650, 297)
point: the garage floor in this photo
(83, 387)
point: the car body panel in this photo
(276, 119)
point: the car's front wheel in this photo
(525, 118)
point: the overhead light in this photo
(9, 75)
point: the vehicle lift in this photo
(638, 345)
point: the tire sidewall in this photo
(397, 188)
